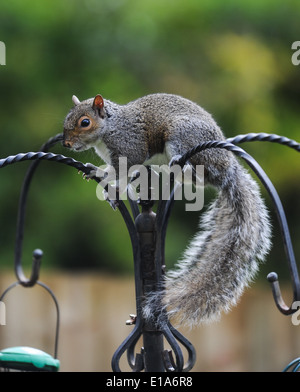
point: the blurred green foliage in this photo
(233, 58)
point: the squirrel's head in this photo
(84, 123)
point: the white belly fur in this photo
(103, 152)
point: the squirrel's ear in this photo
(98, 105)
(75, 100)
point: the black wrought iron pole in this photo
(153, 342)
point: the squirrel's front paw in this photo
(175, 160)
(92, 173)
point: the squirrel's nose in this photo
(67, 143)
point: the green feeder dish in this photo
(28, 359)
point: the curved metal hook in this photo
(37, 254)
(35, 271)
(279, 301)
(273, 277)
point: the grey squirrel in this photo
(222, 258)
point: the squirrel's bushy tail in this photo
(222, 258)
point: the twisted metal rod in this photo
(49, 156)
(265, 137)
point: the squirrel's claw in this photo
(174, 160)
(92, 173)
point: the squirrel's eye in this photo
(85, 122)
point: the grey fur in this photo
(234, 235)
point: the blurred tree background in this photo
(233, 58)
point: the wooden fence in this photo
(252, 337)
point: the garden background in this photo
(233, 58)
